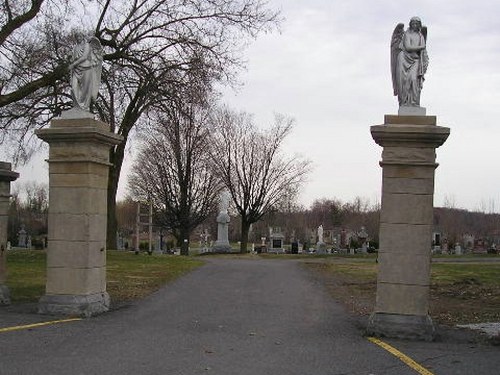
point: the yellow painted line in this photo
(404, 358)
(35, 325)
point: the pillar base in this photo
(399, 326)
(4, 295)
(321, 248)
(222, 248)
(84, 306)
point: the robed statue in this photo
(86, 69)
(409, 62)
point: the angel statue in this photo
(86, 72)
(409, 62)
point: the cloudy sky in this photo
(329, 69)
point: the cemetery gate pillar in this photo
(408, 166)
(6, 177)
(78, 182)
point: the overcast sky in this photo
(329, 69)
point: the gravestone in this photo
(320, 245)
(222, 244)
(276, 239)
(6, 177)
(363, 236)
(21, 237)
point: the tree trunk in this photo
(184, 240)
(245, 230)
(116, 159)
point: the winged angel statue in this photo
(86, 70)
(409, 62)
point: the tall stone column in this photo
(222, 244)
(6, 177)
(78, 182)
(409, 162)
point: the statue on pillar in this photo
(409, 63)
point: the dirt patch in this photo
(464, 303)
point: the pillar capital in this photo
(410, 131)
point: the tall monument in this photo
(222, 244)
(78, 182)
(409, 142)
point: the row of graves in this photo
(320, 241)
(467, 244)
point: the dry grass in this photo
(460, 292)
(129, 276)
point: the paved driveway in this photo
(233, 317)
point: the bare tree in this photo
(150, 48)
(251, 165)
(173, 170)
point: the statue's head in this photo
(415, 24)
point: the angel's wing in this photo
(96, 47)
(423, 30)
(397, 35)
(96, 57)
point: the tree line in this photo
(29, 209)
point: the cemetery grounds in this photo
(464, 289)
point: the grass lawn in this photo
(460, 292)
(129, 276)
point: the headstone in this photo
(458, 249)
(21, 237)
(222, 244)
(158, 245)
(6, 177)
(276, 239)
(320, 245)
(363, 236)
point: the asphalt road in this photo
(233, 317)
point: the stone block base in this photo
(412, 111)
(84, 306)
(221, 248)
(409, 327)
(321, 248)
(4, 295)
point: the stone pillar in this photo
(78, 182)
(222, 244)
(406, 217)
(6, 177)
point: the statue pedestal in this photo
(6, 177)
(78, 182)
(321, 248)
(406, 218)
